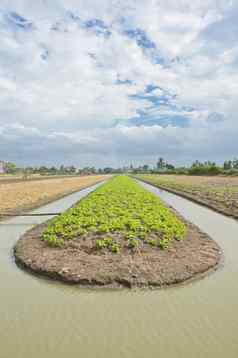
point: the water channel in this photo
(41, 318)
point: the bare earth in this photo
(219, 193)
(25, 195)
(77, 263)
(13, 178)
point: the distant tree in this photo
(71, 169)
(62, 169)
(227, 165)
(169, 166)
(206, 168)
(108, 170)
(235, 163)
(10, 168)
(161, 164)
(196, 164)
(43, 170)
(93, 170)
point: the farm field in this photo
(15, 178)
(218, 193)
(120, 234)
(25, 195)
(122, 210)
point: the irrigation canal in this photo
(41, 318)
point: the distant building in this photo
(2, 167)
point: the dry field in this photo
(13, 178)
(219, 193)
(25, 195)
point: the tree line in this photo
(12, 168)
(229, 167)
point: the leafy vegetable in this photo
(119, 206)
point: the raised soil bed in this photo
(77, 263)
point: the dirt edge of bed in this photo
(185, 261)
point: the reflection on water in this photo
(40, 318)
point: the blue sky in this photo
(112, 82)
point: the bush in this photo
(204, 170)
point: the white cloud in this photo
(71, 86)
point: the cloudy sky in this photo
(110, 82)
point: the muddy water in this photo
(40, 318)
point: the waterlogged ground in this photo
(219, 193)
(15, 197)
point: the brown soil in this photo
(12, 178)
(217, 193)
(211, 203)
(79, 263)
(26, 195)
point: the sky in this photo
(112, 82)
